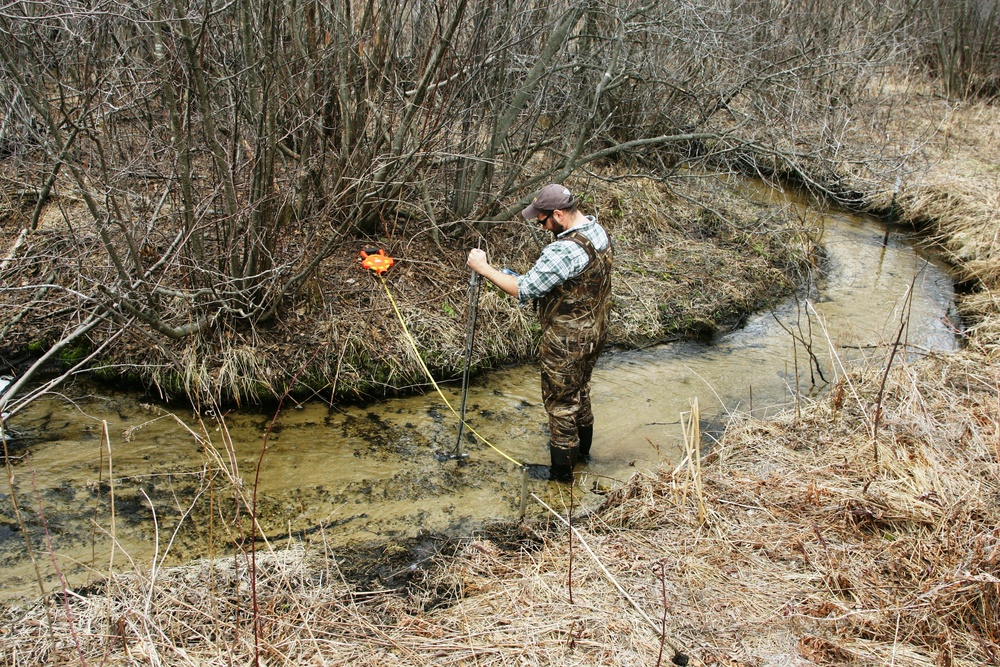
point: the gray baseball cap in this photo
(554, 197)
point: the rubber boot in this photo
(561, 469)
(586, 439)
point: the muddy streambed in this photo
(109, 469)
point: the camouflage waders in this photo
(574, 319)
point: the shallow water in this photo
(342, 476)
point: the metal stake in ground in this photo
(470, 334)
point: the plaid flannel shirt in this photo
(560, 261)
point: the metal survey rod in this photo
(470, 333)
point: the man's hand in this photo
(477, 262)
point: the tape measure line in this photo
(423, 366)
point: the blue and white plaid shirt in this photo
(560, 261)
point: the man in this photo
(572, 282)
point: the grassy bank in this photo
(955, 198)
(692, 259)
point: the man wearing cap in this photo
(572, 284)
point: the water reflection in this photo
(853, 313)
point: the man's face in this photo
(552, 221)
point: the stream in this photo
(110, 469)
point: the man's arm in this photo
(477, 262)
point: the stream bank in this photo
(693, 258)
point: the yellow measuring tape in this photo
(416, 352)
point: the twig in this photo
(257, 622)
(679, 658)
(904, 321)
(663, 622)
(569, 522)
(834, 356)
(64, 587)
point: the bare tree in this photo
(204, 157)
(961, 45)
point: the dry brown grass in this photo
(818, 548)
(954, 192)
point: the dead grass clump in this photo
(831, 549)
(957, 196)
(689, 260)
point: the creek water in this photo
(113, 482)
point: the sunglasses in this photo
(543, 221)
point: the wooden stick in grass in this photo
(679, 657)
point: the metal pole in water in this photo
(524, 491)
(470, 333)
(892, 212)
